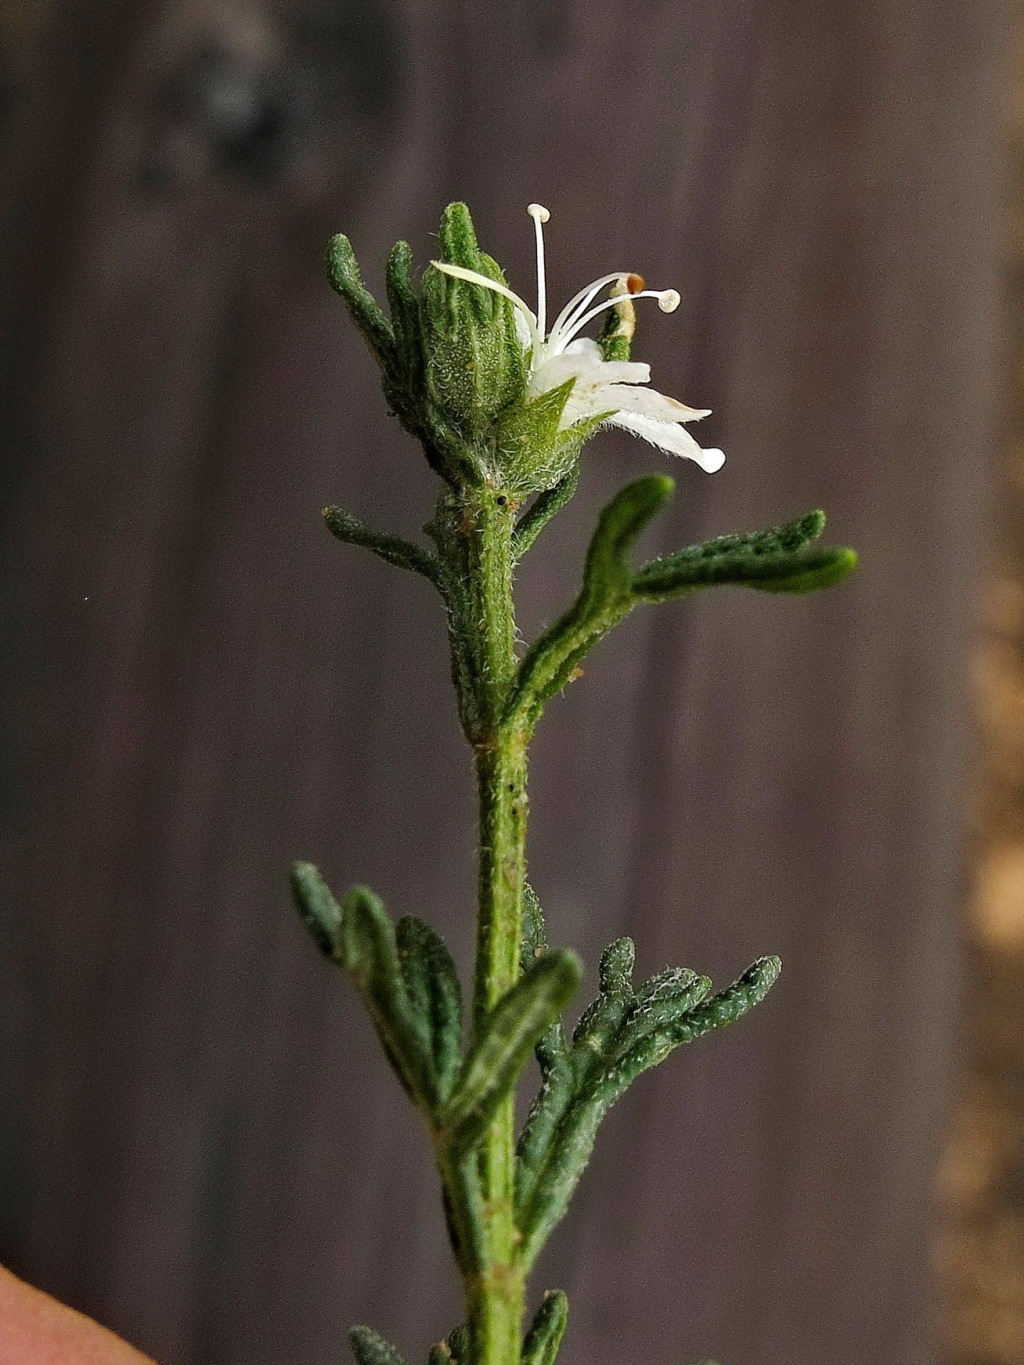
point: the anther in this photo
(669, 300)
(539, 212)
(634, 284)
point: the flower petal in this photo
(651, 403)
(610, 371)
(669, 436)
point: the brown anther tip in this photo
(635, 283)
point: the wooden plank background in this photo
(198, 1143)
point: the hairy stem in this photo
(474, 536)
(501, 776)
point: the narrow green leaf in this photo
(606, 596)
(370, 955)
(602, 1021)
(344, 278)
(560, 1130)
(776, 560)
(543, 508)
(513, 1027)
(821, 570)
(535, 933)
(547, 1329)
(392, 549)
(615, 973)
(405, 312)
(369, 1348)
(551, 1045)
(454, 1350)
(318, 909)
(435, 995)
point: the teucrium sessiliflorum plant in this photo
(502, 403)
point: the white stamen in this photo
(602, 389)
(580, 302)
(668, 301)
(540, 216)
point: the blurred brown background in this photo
(198, 1143)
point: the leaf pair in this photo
(777, 560)
(623, 1033)
(540, 1346)
(411, 989)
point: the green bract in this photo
(474, 362)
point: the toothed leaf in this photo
(623, 1033)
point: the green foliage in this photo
(318, 910)
(776, 560)
(509, 1035)
(392, 549)
(455, 373)
(435, 995)
(345, 279)
(405, 317)
(542, 509)
(369, 953)
(623, 1033)
(371, 1349)
(407, 980)
(475, 366)
(547, 1329)
(606, 596)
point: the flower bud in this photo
(475, 363)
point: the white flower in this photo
(602, 387)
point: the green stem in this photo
(474, 537)
(497, 1306)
